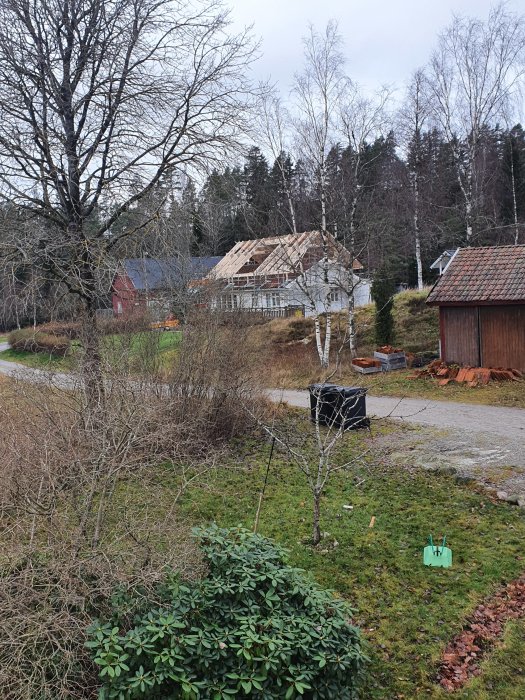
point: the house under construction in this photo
(282, 275)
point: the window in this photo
(273, 300)
(119, 307)
(333, 296)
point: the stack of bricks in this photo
(472, 376)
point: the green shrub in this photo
(33, 340)
(254, 627)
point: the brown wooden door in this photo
(461, 334)
(503, 336)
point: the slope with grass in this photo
(407, 612)
(291, 361)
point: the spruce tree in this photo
(383, 290)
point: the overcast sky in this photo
(385, 40)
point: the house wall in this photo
(459, 335)
(124, 297)
(311, 291)
(490, 336)
(503, 336)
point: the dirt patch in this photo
(460, 660)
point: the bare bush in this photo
(219, 372)
(32, 340)
(72, 526)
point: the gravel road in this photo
(467, 417)
(483, 441)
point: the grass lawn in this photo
(407, 612)
(38, 360)
(163, 343)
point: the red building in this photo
(481, 299)
(142, 283)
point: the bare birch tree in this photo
(475, 72)
(274, 125)
(362, 120)
(97, 95)
(412, 120)
(319, 89)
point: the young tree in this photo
(319, 89)
(474, 74)
(96, 95)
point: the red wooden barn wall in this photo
(488, 336)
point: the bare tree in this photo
(315, 452)
(474, 74)
(319, 89)
(274, 125)
(96, 95)
(412, 120)
(362, 119)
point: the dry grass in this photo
(288, 354)
(64, 462)
(295, 367)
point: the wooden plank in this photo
(460, 331)
(503, 336)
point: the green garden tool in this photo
(434, 555)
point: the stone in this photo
(521, 500)
(513, 498)
(502, 495)
(463, 479)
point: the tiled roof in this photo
(151, 273)
(487, 275)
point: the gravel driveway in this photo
(467, 417)
(484, 443)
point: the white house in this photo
(319, 291)
(441, 263)
(283, 275)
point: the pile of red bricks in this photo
(472, 376)
(389, 349)
(366, 362)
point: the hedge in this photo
(33, 340)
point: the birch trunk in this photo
(514, 202)
(352, 340)
(318, 338)
(352, 344)
(325, 359)
(417, 234)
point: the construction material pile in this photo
(366, 365)
(389, 350)
(472, 376)
(391, 358)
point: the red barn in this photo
(481, 299)
(140, 283)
